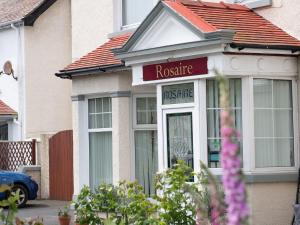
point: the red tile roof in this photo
(101, 56)
(250, 27)
(6, 110)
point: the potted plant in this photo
(64, 216)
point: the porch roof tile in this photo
(101, 56)
(6, 110)
(250, 27)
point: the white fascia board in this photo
(174, 54)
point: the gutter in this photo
(69, 74)
(241, 46)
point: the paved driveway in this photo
(46, 209)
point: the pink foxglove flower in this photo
(234, 187)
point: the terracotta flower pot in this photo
(64, 220)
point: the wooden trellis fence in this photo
(14, 154)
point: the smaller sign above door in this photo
(176, 69)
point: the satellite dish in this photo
(7, 68)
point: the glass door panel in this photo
(180, 138)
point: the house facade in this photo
(148, 96)
(32, 33)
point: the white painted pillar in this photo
(80, 144)
(121, 152)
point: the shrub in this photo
(84, 206)
(176, 205)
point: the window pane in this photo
(92, 106)
(273, 114)
(284, 123)
(235, 96)
(262, 91)
(178, 93)
(180, 138)
(106, 120)
(263, 123)
(213, 116)
(264, 155)
(134, 11)
(100, 152)
(92, 121)
(99, 110)
(4, 132)
(282, 94)
(213, 123)
(284, 151)
(212, 94)
(146, 110)
(146, 163)
(106, 104)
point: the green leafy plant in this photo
(11, 204)
(106, 198)
(64, 212)
(176, 206)
(134, 207)
(85, 210)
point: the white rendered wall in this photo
(47, 50)
(11, 48)
(92, 20)
(9, 51)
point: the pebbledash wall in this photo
(271, 192)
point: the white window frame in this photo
(118, 17)
(218, 170)
(199, 113)
(95, 130)
(251, 163)
(163, 110)
(139, 127)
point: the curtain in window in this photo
(213, 116)
(146, 163)
(100, 158)
(273, 123)
(146, 110)
(134, 11)
(180, 138)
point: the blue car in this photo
(27, 187)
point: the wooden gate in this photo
(61, 166)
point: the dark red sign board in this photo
(184, 68)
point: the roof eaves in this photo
(68, 74)
(31, 17)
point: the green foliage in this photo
(12, 209)
(64, 212)
(106, 198)
(133, 205)
(84, 206)
(175, 204)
